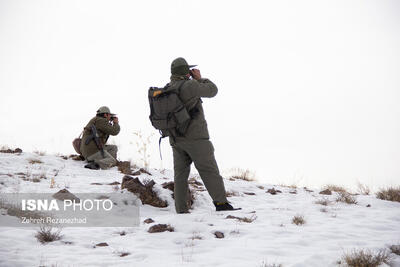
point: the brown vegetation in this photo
(243, 219)
(391, 194)
(365, 258)
(46, 234)
(298, 220)
(245, 175)
(346, 198)
(395, 249)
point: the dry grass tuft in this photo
(232, 194)
(298, 220)
(266, 264)
(346, 198)
(245, 175)
(35, 161)
(243, 219)
(366, 258)
(391, 194)
(395, 249)
(39, 153)
(323, 202)
(46, 234)
(335, 188)
(363, 189)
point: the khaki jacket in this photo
(191, 93)
(104, 130)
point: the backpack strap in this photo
(177, 91)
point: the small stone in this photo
(272, 191)
(219, 234)
(96, 184)
(326, 192)
(148, 220)
(158, 228)
(369, 205)
(293, 192)
(65, 194)
(249, 193)
(114, 183)
(104, 244)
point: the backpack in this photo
(168, 114)
(76, 143)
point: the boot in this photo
(224, 206)
(92, 165)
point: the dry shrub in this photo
(245, 175)
(391, 194)
(298, 220)
(243, 219)
(232, 194)
(266, 264)
(366, 258)
(363, 189)
(35, 161)
(323, 202)
(39, 153)
(346, 198)
(46, 234)
(335, 188)
(395, 249)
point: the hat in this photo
(180, 67)
(103, 110)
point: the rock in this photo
(293, 192)
(104, 244)
(219, 234)
(65, 194)
(96, 184)
(144, 171)
(148, 220)
(171, 186)
(158, 228)
(114, 183)
(123, 254)
(326, 192)
(193, 181)
(249, 193)
(76, 157)
(124, 167)
(272, 191)
(136, 173)
(144, 192)
(10, 151)
(168, 185)
(369, 205)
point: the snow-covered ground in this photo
(271, 238)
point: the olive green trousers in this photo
(109, 159)
(201, 153)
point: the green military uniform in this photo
(195, 145)
(104, 129)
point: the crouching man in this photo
(94, 139)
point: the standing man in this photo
(194, 146)
(94, 139)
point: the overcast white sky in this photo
(308, 90)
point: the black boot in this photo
(224, 206)
(92, 165)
